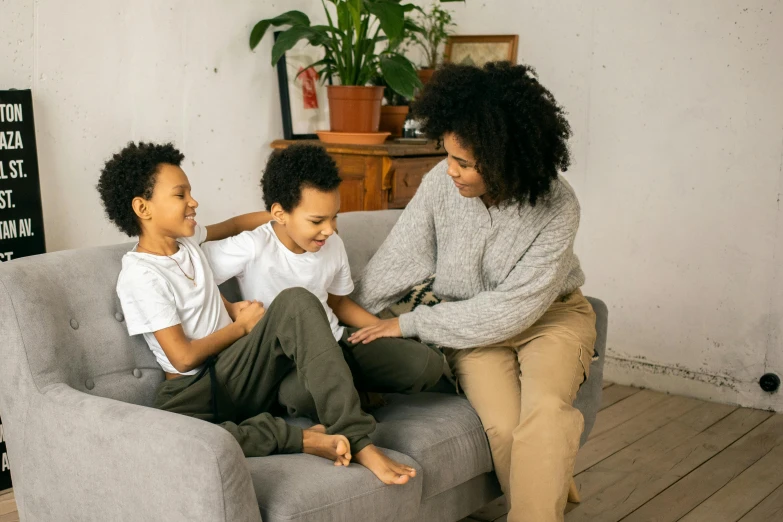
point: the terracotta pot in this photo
(425, 75)
(393, 118)
(354, 109)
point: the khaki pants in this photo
(523, 390)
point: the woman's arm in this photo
(514, 305)
(407, 256)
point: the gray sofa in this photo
(84, 444)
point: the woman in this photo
(495, 224)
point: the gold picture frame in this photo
(480, 49)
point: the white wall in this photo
(107, 72)
(676, 110)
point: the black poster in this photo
(21, 218)
(5, 468)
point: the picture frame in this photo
(480, 49)
(303, 99)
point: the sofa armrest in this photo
(92, 458)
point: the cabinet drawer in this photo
(406, 176)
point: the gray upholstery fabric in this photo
(434, 428)
(83, 445)
(588, 399)
(310, 489)
(460, 501)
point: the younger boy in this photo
(169, 295)
(300, 248)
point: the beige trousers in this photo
(523, 390)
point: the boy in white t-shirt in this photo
(300, 248)
(169, 295)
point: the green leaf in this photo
(355, 8)
(343, 17)
(400, 74)
(390, 15)
(293, 18)
(287, 40)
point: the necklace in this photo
(192, 267)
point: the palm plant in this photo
(352, 51)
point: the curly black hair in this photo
(290, 170)
(131, 173)
(512, 124)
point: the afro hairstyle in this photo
(291, 170)
(129, 174)
(511, 123)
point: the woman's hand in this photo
(383, 328)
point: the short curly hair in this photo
(512, 124)
(290, 170)
(131, 173)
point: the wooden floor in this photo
(658, 457)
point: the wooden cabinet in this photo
(377, 177)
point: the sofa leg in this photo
(573, 493)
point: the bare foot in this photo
(387, 470)
(332, 447)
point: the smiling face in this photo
(307, 227)
(171, 210)
(462, 168)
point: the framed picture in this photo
(478, 50)
(303, 100)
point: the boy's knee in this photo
(297, 297)
(429, 370)
(293, 395)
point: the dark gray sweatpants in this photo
(293, 337)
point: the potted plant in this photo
(395, 110)
(437, 25)
(350, 41)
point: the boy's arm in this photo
(230, 256)
(186, 354)
(233, 309)
(237, 225)
(350, 313)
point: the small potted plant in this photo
(395, 110)
(437, 25)
(350, 41)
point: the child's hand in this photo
(233, 309)
(383, 328)
(250, 315)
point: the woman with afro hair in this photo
(494, 224)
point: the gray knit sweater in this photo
(497, 269)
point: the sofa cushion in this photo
(439, 431)
(306, 488)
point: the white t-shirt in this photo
(264, 267)
(155, 294)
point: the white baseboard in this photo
(679, 381)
